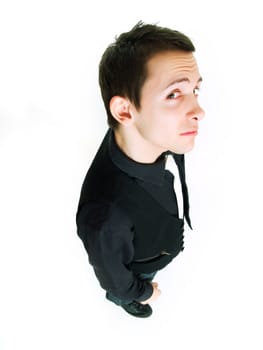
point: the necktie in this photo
(173, 168)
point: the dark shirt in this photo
(113, 241)
(152, 177)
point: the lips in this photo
(189, 133)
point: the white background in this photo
(51, 122)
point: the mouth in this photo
(189, 133)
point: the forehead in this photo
(168, 66)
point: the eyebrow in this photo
(182, 80)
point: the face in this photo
(169, 113)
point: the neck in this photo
(135, 146)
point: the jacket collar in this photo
(153, 173)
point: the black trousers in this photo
(143, 276)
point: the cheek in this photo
(159, 118)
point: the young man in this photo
(129, 216)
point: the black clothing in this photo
(141, 276)
(127, 219)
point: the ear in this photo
(120, 109)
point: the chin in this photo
(182, 150)
(189, 149)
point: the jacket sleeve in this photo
(107, 235)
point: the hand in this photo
(156, 293)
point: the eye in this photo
(174, 95)
(196, 91)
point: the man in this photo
(129, 216)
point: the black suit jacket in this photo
(124, 229)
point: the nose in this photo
(196, 112)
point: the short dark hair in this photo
(123, 66)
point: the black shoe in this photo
(137, 309)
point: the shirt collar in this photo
(153, 173)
